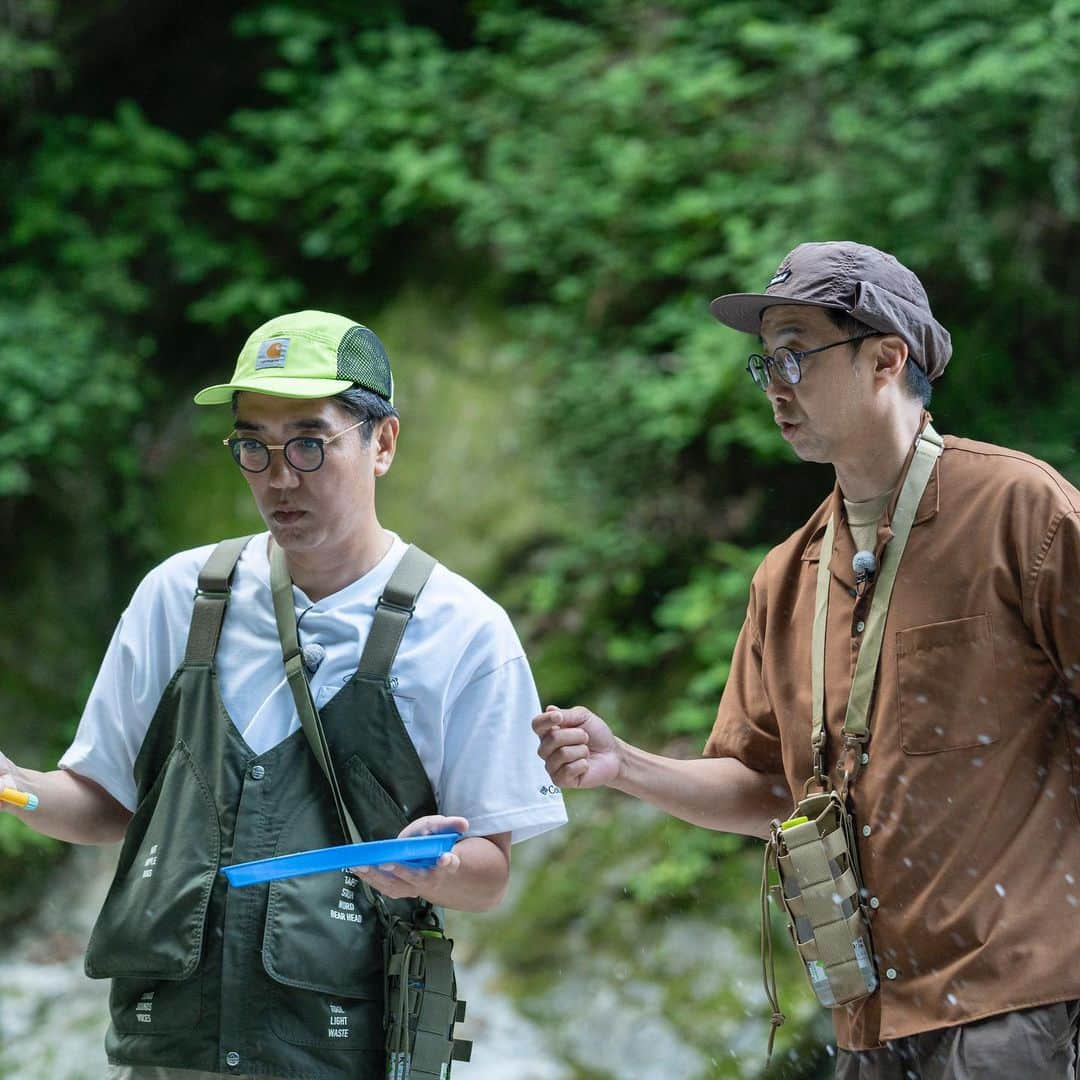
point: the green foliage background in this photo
(538, 199)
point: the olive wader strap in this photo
(211, 600)
(928, 448)
(394, 610)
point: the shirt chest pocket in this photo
(945, 686)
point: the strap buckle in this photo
(382, 602)
(213, 594)
(817, 757)
(853, 755)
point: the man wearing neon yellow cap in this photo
(321, 683)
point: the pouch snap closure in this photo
(890, 973)
(866, 830)
(232, 1059)
(875, 903)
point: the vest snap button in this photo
(890, 973)
(232, 1059)
(257, 772)
(860, 626)
(875, 903)
(866, 830)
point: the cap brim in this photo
(742, 311)
(274, 386)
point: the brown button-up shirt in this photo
(968, 810)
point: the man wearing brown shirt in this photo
(966, 795)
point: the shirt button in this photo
(875, 903)
(890, 973)
(257, 772)
(866, 830)
(232, 1059)
(860, 626)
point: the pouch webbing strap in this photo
(393, 611)
(211, 600)
(822, 902)
(928, 448)
(768, 964)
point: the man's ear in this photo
(385, 444)
(890, 355)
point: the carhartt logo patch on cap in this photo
(779, 277)
(272, 353)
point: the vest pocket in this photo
(148, 1007)
(327, 1021)
(321, 934)
(323, 948)
(382, 818)
(944, 678)
(152, 923)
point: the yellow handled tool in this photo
(19, 798)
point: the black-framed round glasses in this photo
(305, 453)
(788, 362)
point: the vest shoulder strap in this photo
(211, 600)
(394, 610)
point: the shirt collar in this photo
(929, 505)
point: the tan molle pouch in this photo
(816, 861)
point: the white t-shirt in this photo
(463, 684)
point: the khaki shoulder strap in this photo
(928, 449)
(285, 614)
(211, 600)
(404, 586)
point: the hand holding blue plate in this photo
(416, 851)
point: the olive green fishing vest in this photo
(281, 979)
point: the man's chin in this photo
(808, 449)
(295, 535)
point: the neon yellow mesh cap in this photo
(307, 354)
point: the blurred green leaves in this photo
(600, 171)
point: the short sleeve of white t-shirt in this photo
(461, 683)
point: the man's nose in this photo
(281, 473)
(778, 390)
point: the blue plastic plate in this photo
(417, 851)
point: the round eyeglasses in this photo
(788, 362)
(305, 453)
